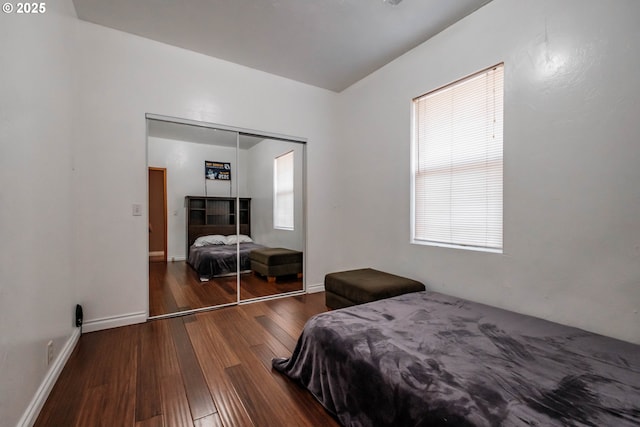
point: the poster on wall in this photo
(217, 170)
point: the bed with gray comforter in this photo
(220, 260)
(427, 359)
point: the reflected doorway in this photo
(157, 215)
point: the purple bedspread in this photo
(219, 260)
(427, 359)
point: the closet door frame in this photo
(247, 132)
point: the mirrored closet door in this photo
(273, 170)
(234, 215)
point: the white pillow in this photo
(212, 239)
(240, 238)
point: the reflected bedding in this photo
(220, 260)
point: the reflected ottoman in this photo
(275, 262)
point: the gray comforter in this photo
(220, 260)
(427, 359)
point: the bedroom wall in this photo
(184, 162)
(37, 109)
(260, 159)
(571, 223)
(121, 77)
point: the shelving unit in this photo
(216, 215)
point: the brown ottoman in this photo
(274, 262)
(347, 288)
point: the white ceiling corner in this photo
(325, 43)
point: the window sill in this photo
(452, 246)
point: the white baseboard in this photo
(318, 287)
(35, 406)
(114, 321)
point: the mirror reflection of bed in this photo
(216, 258)
(216, 253)
(175, 287)
(259, 209)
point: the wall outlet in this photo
(49, 352)
(136, 209)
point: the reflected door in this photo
(273, 170)
(157, 215)
(202, 187)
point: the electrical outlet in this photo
(49, 352)
(136, 209)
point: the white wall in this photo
(260, 176)
(571, 222)
(37, 102)
(122, 77)
(184, 162)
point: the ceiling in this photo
(325, 43)
(199, 134)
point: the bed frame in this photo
(216, 215)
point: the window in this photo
(283, 191)
(457, 163)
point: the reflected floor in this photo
(174, 287)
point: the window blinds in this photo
(458, 162)
(283, 191)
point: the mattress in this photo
(430, 359)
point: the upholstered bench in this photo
(275, 262)
(347, 288)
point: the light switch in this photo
(137, 209)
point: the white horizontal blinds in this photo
(458, 155)
(283, 191)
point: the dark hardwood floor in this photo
(175, 286)
(208, 369)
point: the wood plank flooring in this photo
(209, 369)
(175, 286)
